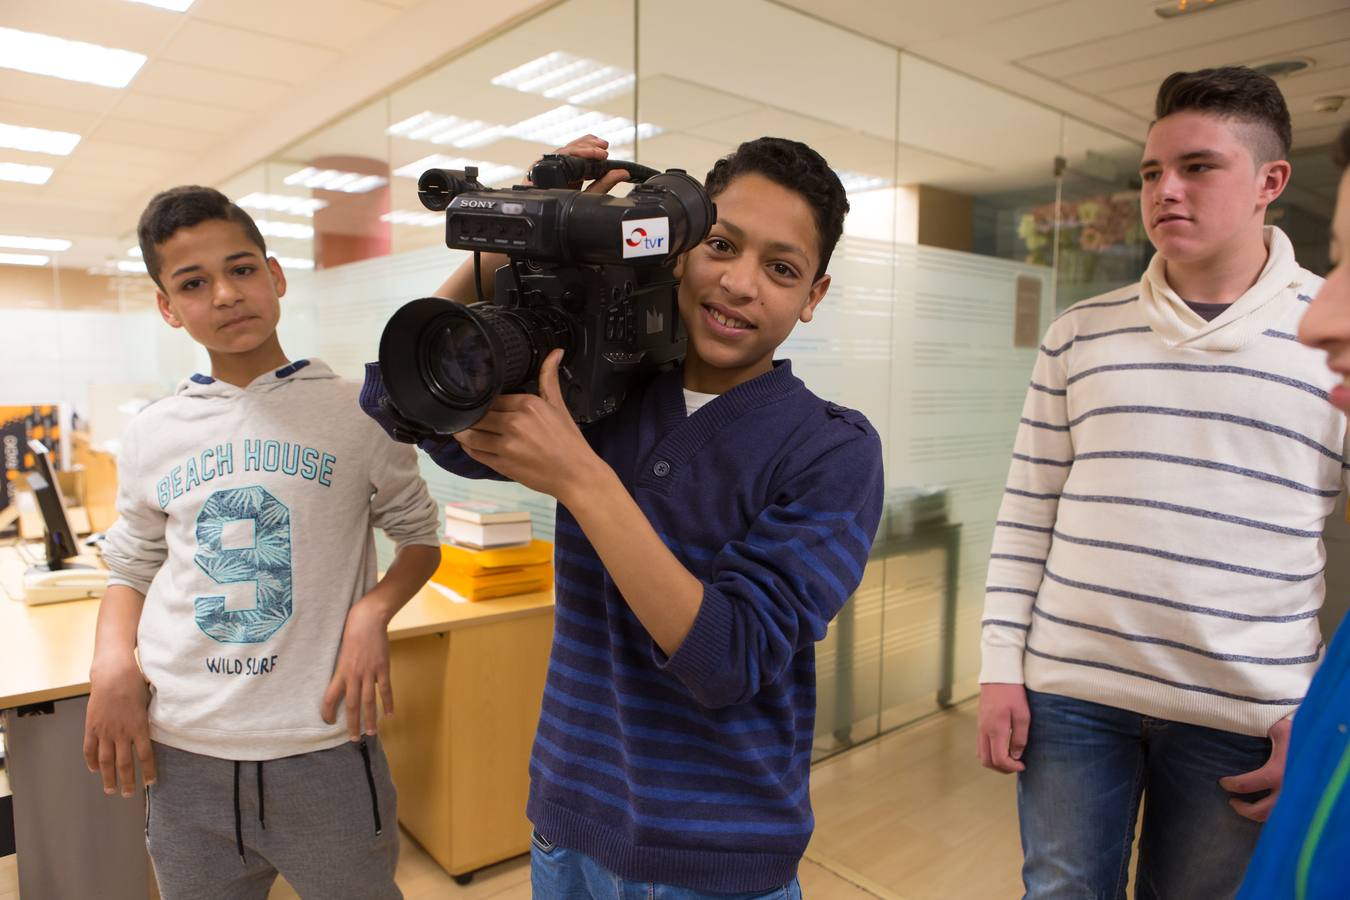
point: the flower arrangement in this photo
(1101, 225)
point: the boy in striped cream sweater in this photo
(1151, 611)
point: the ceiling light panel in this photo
(441, 129)
(283, 203)
(857, 181)
(37, 140)
(22, 242)
(335, 180)
(532, 69)
(489, 173)
(420, 219)
(284, 229)
(604, 90)
(563, 75)
(554, 128)
(42, 54)
(558, 126)
(132, 266)
(24, 174)
(23, 259)
(295, 262)
(172, 5)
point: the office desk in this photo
(72, 841)
(44, 650)
(458, 745)
(468, 680)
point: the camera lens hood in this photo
(413, 360)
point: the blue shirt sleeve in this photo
(444, 452)
(1305, 844)
(774, 591)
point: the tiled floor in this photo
(911, 815)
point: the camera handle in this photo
(557, 171)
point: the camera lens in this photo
(459, 362)
(443, 363)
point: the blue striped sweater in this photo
(1158, 547)
(693, 770)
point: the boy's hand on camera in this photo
(117, 728)
(532, 440)
(591, 147)
(362, 669)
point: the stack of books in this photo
(482, 525)
(501, 572)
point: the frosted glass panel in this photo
(848, 669)
(57, 355)
(911, 650)
(760, 87)
(956, 396)
(844, 352)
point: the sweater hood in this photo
(1246, 318)
(199, 385)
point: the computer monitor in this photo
(59, 537)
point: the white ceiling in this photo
(1102, 60)
(232, 83)
(226, 84)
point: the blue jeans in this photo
(1088, 765)
(557, 873)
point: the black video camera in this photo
(590, 273)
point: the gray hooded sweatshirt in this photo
(245, 519)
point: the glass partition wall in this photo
(976, 215)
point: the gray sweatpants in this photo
(223, 829)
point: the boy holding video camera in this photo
(707, 532)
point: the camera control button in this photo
(661, 469)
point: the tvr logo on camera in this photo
(646, 237)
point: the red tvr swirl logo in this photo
(645, 237)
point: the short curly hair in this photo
(1233, 92)
(798, 168)
(183, 207)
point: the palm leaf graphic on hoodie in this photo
(266, 563)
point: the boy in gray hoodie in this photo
(243, 574)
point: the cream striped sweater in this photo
(1159, 548)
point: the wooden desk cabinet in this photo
(468, 680)
(466, 703)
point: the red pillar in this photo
(349, 228)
